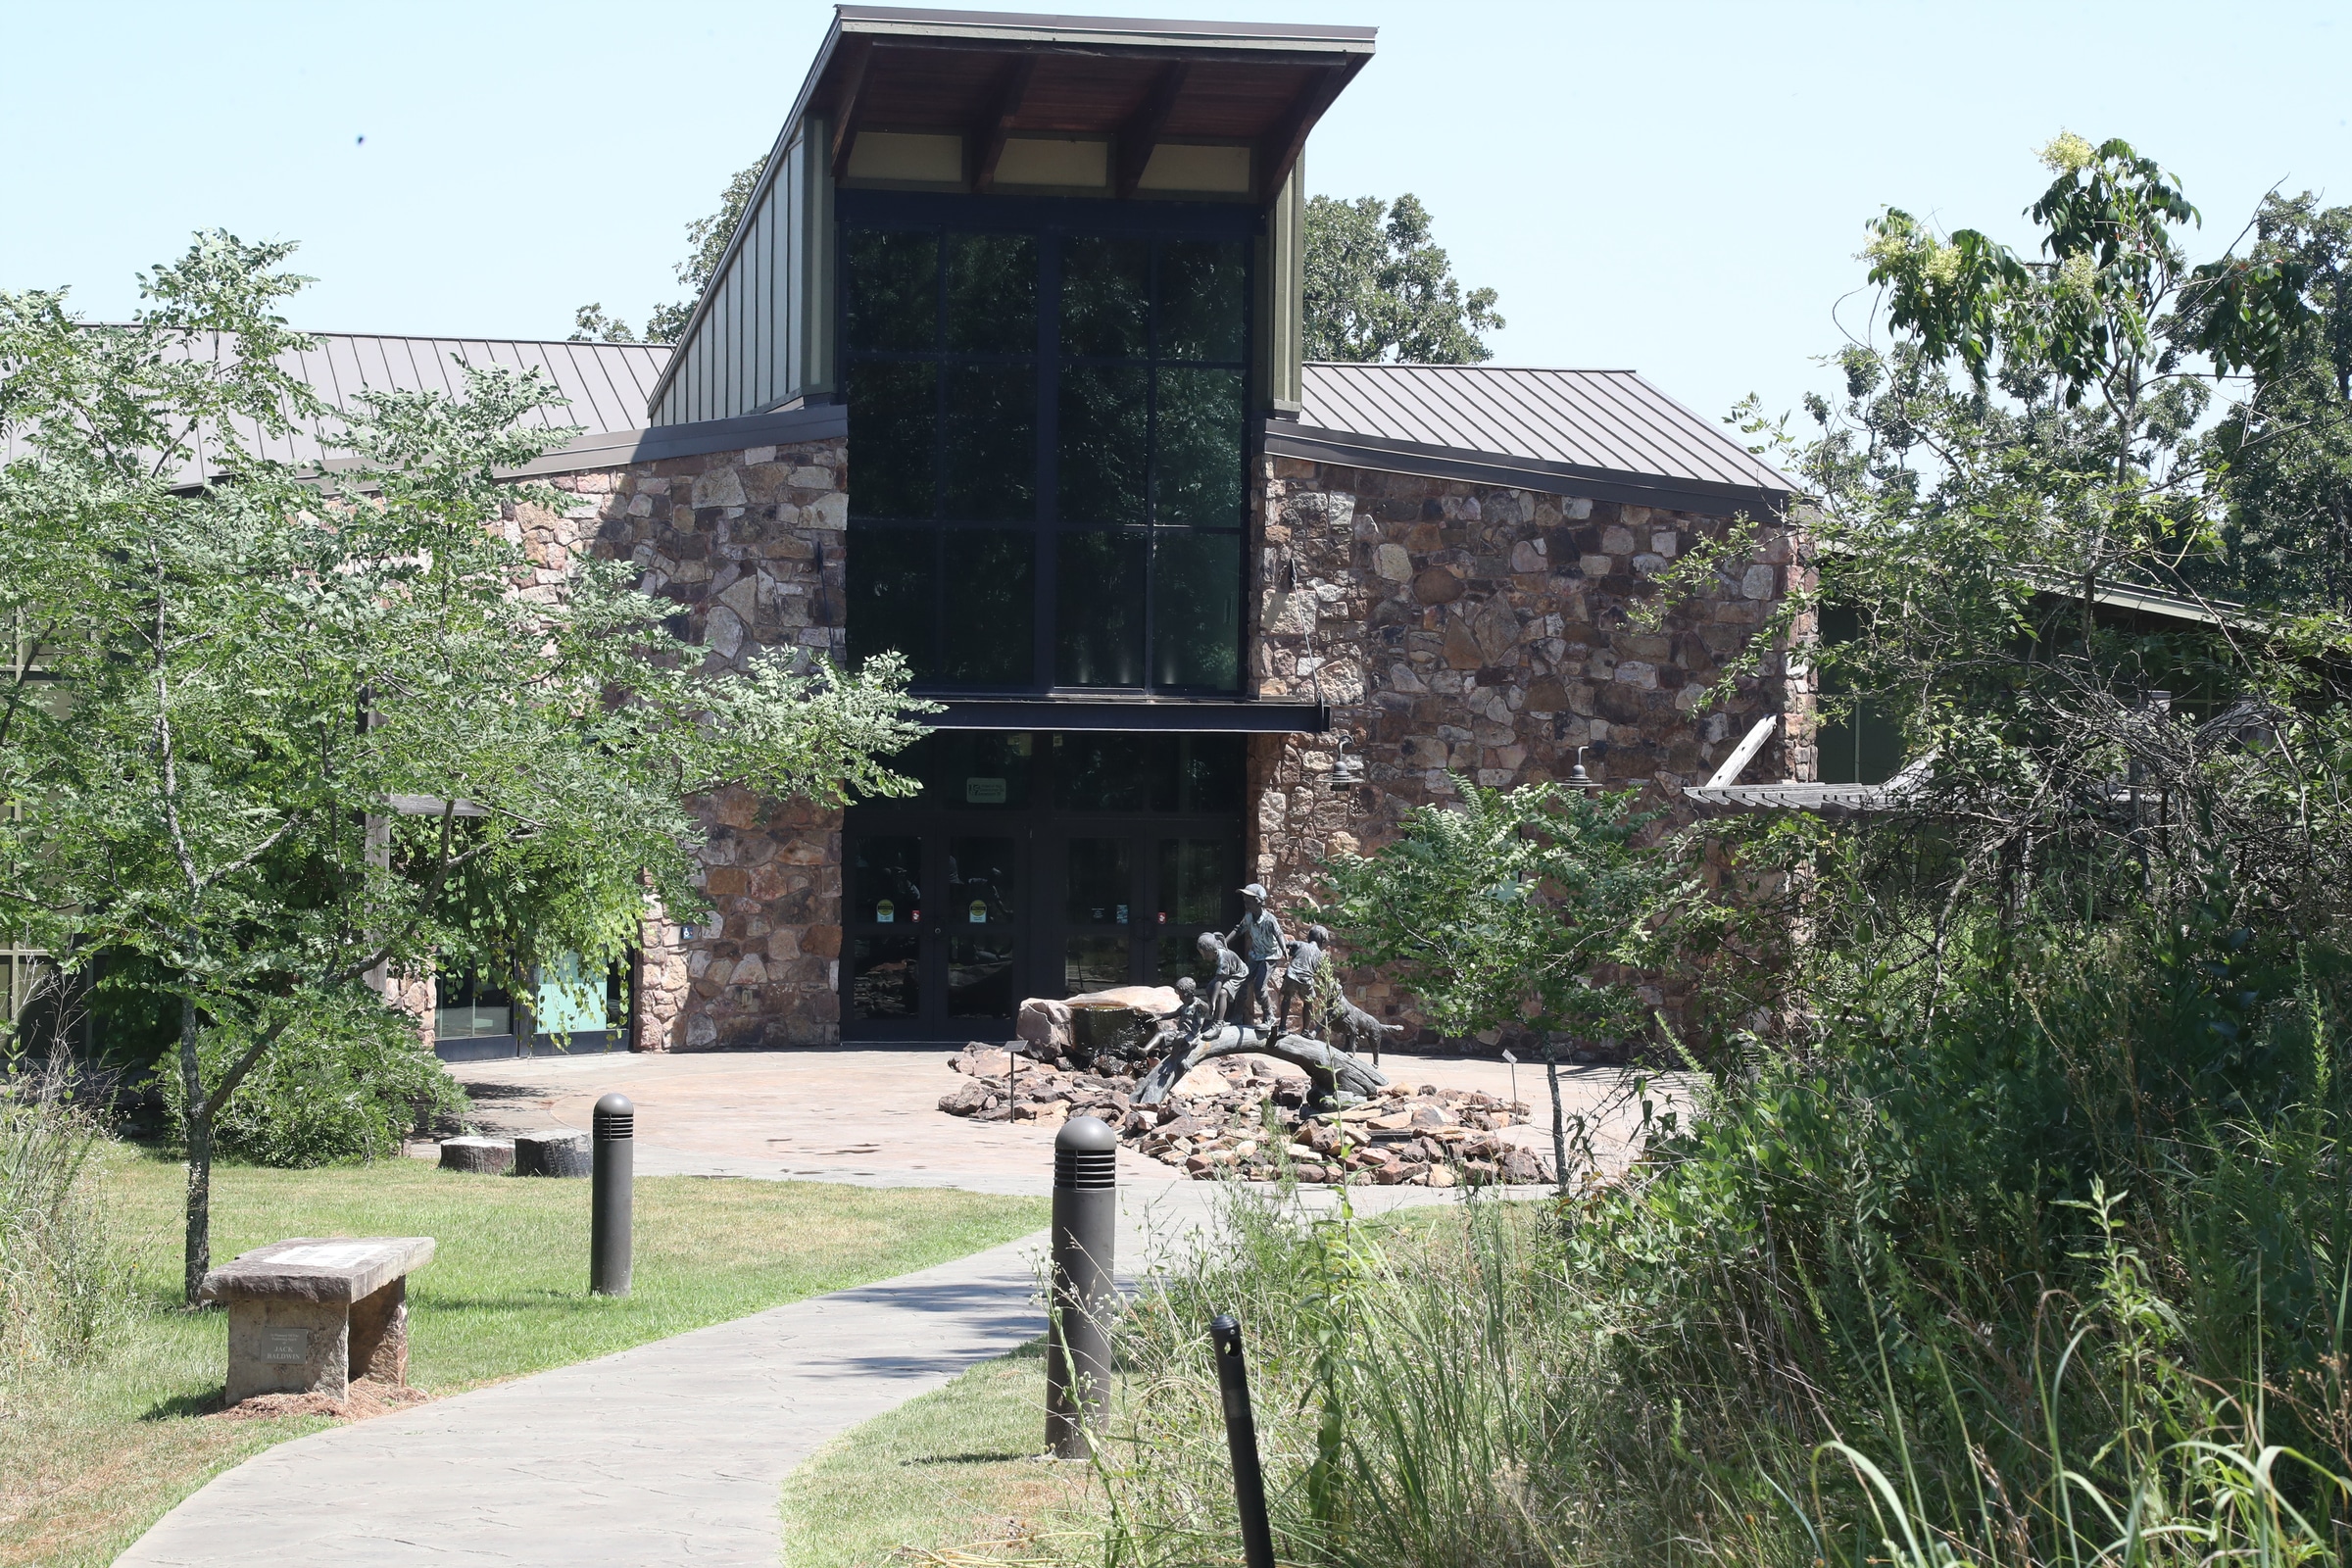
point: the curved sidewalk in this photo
(668, 1453)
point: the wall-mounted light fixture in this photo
(1346, 768)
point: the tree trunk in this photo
(1559, 1122)
(199, 1125)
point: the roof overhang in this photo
(990, 76)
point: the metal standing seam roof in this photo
(1611, 421)
(606, 383)
(1602, 421)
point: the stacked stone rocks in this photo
(750, 546)
(1244, 1122)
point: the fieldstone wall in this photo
(748, 545)
(1484, 630)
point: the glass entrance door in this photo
(935, 931)
(1034, 865)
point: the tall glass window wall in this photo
(1047, 452)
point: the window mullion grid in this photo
(1046, 517)
(1151, 467)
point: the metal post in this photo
(608, 1217)
(1086, 1213)
(1240, 1439)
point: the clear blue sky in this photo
(1674, 187)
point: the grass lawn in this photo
(955, 1473)
(102, 1453)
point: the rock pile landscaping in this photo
(1232, 1119)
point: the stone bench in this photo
(309, 1315)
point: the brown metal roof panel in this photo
(1590, 414)
(1740, 460)
(1604, 420)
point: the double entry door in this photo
(950, 922)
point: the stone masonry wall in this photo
(1461, 627)
(749, 546)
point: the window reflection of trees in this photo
(1133, 492)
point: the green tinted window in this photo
(893, 422)
(894, 289)
(1196, 609)
(892, 575)
(992, 294)
(1198, 476)
(1103, 488)
(989, 598)
(991, 456)
(1203, 301)
(1106, 298)
(1105, 443)
(1099, 613)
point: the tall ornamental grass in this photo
(64, 1282)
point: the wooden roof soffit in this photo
(1288, 139)
(1142, 132)
(987, 138)
(859, 54)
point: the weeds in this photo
(63, 1281)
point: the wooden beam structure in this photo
(1281, 145)
(987, 138)
(1143, 132)
(846, 103)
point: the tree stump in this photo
(556, 1151)
(485, 1157)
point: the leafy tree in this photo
(2029, 436)
(705, 243)
(2285, 454)
(249, 664)
(1379, 288)
(1963, 511)
(1505, 912)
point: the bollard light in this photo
(1086, 1213)
(1241, 1441)
(608, 1217)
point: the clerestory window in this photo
(1048, 449)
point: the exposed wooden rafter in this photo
(988, 139)
(846, 107)
(1281, 146)
(1142, 131)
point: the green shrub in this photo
(347, 1089)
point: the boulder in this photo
(1118, 1023)
(968, 1098)
(1046, 1025)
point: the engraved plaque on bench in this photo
(285, 1344)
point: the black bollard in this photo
(608, 1217)
(1240, 1439)
(1086, 1213)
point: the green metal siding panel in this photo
(1282, 288)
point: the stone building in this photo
(1001, 370)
